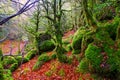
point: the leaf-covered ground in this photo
(52, 70)
(7, 44)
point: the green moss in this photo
(83, 65)
(44, 58)
(47, 45)
(7, 75)
(62, 58)
(76, 52)
(69, 47)
(77, 39)
(9, 60)
(70, 59)
(53, 56)
(30, 54)
(19, 59)
(13, 66)
(1, 71)
(92, 53)
(37, 65)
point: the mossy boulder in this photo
(19, 59)
(83, 65)
(10, 62)
(41, 60)
(44, 58)
(92, 53)
(30, 54)
(47, 45)
(75, 51)
(77, 39)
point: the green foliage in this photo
(53, 56)
(83, 65)
(62, 58)
(37, 65)
(7, 75)
(104, 11)
(9, 60)
(1, 71)
(41, 60)
(111, 28)
(44, 58)
(69, 47)
(47, 45)
(30, 54)
(19, 59)
(75, 51)
(92, 53)
(77, 39)
(13, 67)
(70, 59)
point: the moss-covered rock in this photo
(69, 47)
(77, 39)
(9, 60)
(30, 54)
(13, 67)
(47, 45)
(44, 58)
(75, 51)
(83, 65)
(19, 59)
(92, 53)
(1, 71)
(53, 56)
(41, 60)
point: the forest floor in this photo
(51, 70)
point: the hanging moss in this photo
(47, 45)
